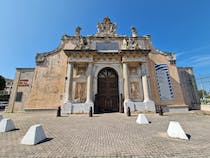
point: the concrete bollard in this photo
(6, 125)
(176, 131)
(128, 111)
(141, 119)
(91, 112)
(34, 135)
(59, 112)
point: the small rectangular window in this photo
(19, 96)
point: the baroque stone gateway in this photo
(106, 71)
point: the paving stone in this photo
(107, 135)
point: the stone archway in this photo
(107, 98)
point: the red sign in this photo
(23, 83)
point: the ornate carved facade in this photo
(106, 71)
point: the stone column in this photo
(149, 104)
(89, 84)
(69, 82)
(126, 82)
(145, 88)
(127, 102)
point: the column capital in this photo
(69, 61)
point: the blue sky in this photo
(29, 27)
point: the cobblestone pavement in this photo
(108, 135)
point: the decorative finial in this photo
(77, 31)
(106, 28)
(134, 32)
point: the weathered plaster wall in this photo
(189, 87)
(49, 83)
(24, 75)
(157, 58)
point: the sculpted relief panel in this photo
(134, 90)
(80, 92)
(130, 43)
(133, 70)
(81, 70)
(82, 43)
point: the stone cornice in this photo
(85, 52)
(81, 60)
(144, 51)
(92, 55)
(92, 37)
(138, 51)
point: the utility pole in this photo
(202, 87)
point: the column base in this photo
(145, 106)
(89, 104)
(128, 103)
(149, 105)
(66, 108)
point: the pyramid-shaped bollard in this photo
(6, 125)
(1, 117)
(175, 130)
(142, 119)
(34, 135)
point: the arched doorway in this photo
(107, 98)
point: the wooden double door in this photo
(107, 98)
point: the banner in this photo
(164, 82)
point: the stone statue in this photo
(134, 89)
(134, 32)
(77, 31)
(80, 92)
(82, 44)
(130, 43)
(124, 44)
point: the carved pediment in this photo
(106, 28)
